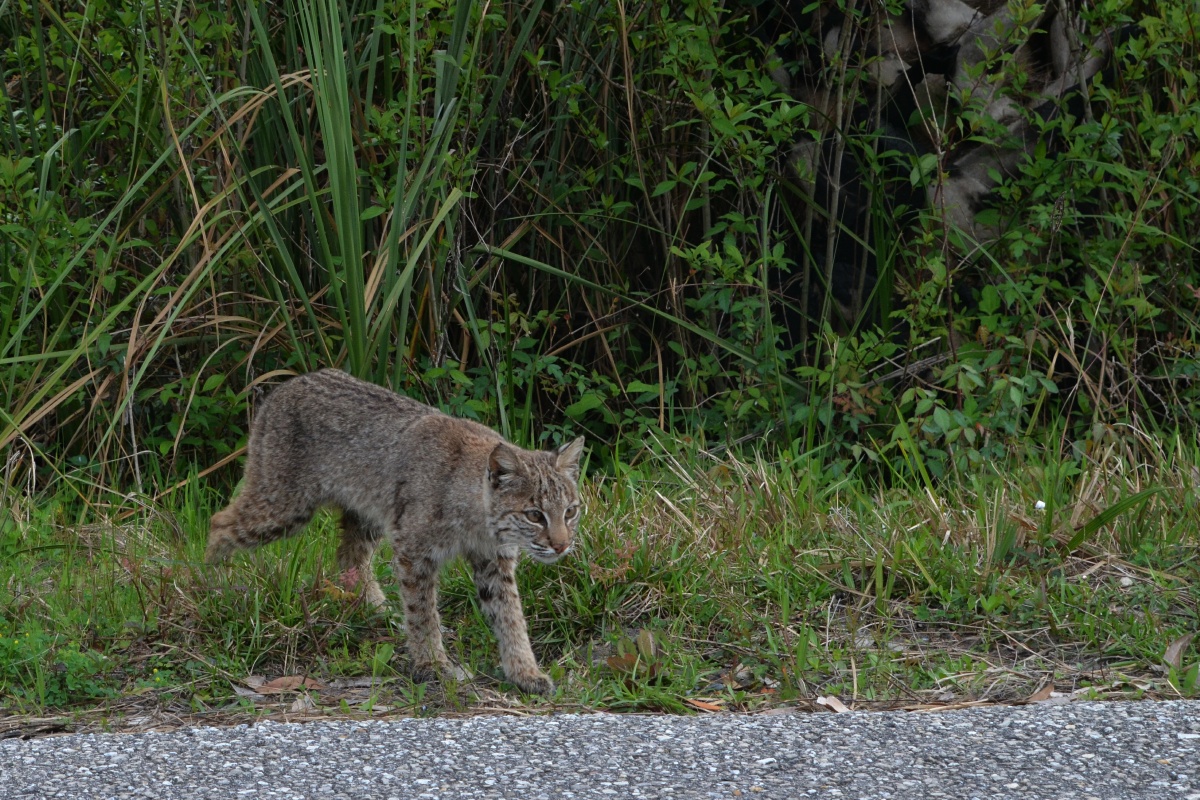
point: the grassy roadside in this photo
(702, 584)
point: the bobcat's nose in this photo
(560, 547)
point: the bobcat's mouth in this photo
(546, 555)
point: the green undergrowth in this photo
(701, 584)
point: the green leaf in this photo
(989, 300)
(663, 187)
(645, 644)
(1109, 514)
(212, 382)
(584, 404)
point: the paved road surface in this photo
(1084, 750)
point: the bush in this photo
(562, 217)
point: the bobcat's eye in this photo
(572, 512)
(535, 516)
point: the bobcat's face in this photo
(535, 499)
(545, 530)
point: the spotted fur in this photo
(435, 486)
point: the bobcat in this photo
(435, 485)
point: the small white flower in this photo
(1039, 505)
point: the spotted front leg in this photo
(496, 583)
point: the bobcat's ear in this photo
(567, 457)
(504, 464)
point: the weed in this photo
(724, 587)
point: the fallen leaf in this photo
(1174, 654)
(303, 703)
(622, 663)
(703, 706)
(243, 691)
(288, 683)
(631, 664)
(1042, 694)
(833, 704)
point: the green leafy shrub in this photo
(567, 217)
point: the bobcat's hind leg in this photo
(251, 520)
(355, 553)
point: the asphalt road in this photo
(1081, 750)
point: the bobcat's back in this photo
(331, 403)
(350, 443)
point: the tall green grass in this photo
(699, 583)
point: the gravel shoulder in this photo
(1083, 750)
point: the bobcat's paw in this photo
(533, 682)
(220, 547)
(222, 541)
